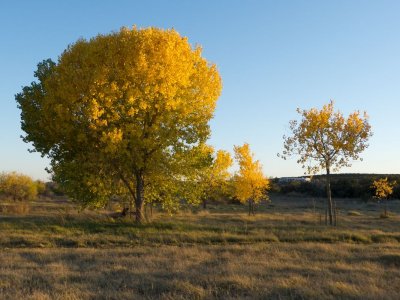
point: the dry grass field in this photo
(50, 250)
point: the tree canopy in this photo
(130, 107)
(383, 187)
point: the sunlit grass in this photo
(55, 252)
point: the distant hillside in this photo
(360, 176)
(345, 185)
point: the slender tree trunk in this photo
(329, 195)
(326, 217)
(334, 213)
(251, 207)
(205, 204)
(386, 207)
(132, 191)
(131, 207)
(146, 211)
(139, 198)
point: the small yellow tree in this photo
(383, 189)
(17, 186)
(215, 178)
(325, 140)
(250, 183)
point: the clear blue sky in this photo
(273, 56)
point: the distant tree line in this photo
(342, 186)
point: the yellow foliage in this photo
(18, 186)
(383, 188)
(215, 177)
(250, 182)
(218, 172)
(131, 102)
(325, 139)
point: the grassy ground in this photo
(55, 252)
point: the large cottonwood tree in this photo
(131, 106)
(326, 140)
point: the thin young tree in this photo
(214, 178)
(250, 184)
(383, 189)
(326, 140)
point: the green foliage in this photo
(85, 183)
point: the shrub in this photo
(18, 186)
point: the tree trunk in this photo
(131, 207)
(334, 213)
(251, 207)
(386, 207)
(146, 213)
(205, 204)
(139, 199)
(329, 195)
(326, 217)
